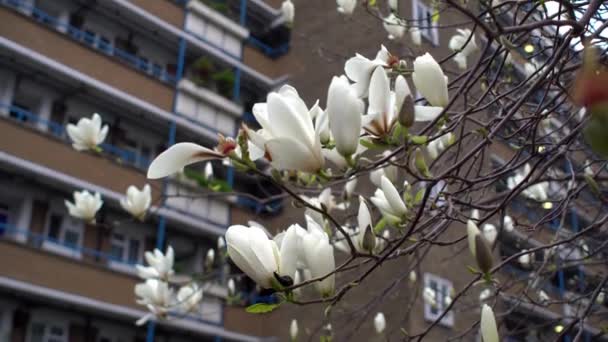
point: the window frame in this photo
(430, 34)
(448, 319)
(68, 224)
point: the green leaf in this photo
(419, 139)
(260, 308)
(419, 196)
(380, 225)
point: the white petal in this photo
(177, 156)
(426, 113)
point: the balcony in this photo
(164, 9)
(86, 53)
(55, 154)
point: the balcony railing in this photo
(272, 52)
(58, 130)
(92, 40)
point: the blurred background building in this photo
(162, 71)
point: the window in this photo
(423, 15)
(48, 332)
(63, 234)
(443, 289)
(126, 249)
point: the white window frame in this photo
(429, 315)
(422, 11)
(46, 336)
(67, 223)
(123, 264)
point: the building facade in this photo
(157, 72)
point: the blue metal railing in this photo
(8, 230)
(92, 40)
(258, 207)
(24, 116)
(272, 52)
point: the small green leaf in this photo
(260, 308)
(419, 139)
(380, 225)
(419, 196)
(370, 145)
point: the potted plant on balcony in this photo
(202, 70)
(224, 80)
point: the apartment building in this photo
(157, 72)
(325, 40)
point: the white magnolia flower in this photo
(156, 296)
(393, 5)
(389, 171)
(346, 6)
(288, 136)
(188, 297)
(536, 192)
(322, 127)
(472, 232)
(221, 243)
(288, 10)
(475, 215)
(290, 250)
(388, 201)
(485, 295)
(87, 134)
(382, 111)
(394, 26)
(85, 205)
(490, 233)
(253, 253)
(429, 296)
(489, 332)
(359, 69)
(344, 109)
(416, 36)
(543, 297)
(349, 187)
(137, 202)
(364, 220)
(380, 323)
(319, 256)
(525, 260)
(508, 224)
(176, 157)
(413, 277)
(458, 43)
(430, 80)
(210, 258)
(435, 147)
(600, 298)
(293, 330)
(231, 287)
(160, 266)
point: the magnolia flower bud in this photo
(293, 330)
(429, 296)
(288, 10)
(489, 332)
(475, 215)
(231, 287)
(507, 223)
(413, 277)
(485, 295)
(221, 243)
(600, 298)
(489, 232)
(369, 239)
(430, 80)
(349, 188)
(393, 5)
(524, 260)
(543, 297)
(483, 254)
(209, 259)
(345, 111)
(394, 26)
(379, 323)
(346, 7)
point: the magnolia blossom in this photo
(344, 109)
(346, 6)
(288, 136)
(394, 26)
(429, 296)
(475, 215)
(416, 36)
(189, 297)
(430, 80)
(489, 332)
(293, 330)
(137, 202)
(543, 297)
(156, 296)
(210, 258)
(413, 277)
(525, 259)
(460, 43)
(231, 287)
(507, 223)
(389, 171)
(221, 243)
(254, 253)
(288, 10)
(536, 192)
(87, 134)
(322, 126)
(319, 256)
(600, 298)
(485, 295)
(364, 220)
(359, 69)
(393, 5)
(388, 201)
(379, 323)
(435, 147)
(85, 205)
(382, 111)
(290, 250)
(489, 232)
(349, 188)
(472, 232)
(479, 248)
(160, 266)
(176, 157)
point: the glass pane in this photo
(37, 332)
(435, 308)
(71, 238)
(133, 251)
(55, 226)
